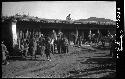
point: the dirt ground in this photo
(80, 62)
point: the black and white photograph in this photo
(58, 39)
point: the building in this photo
(45, 26)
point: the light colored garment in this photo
(34, 47)
(4, 50)
(52, 41)
(3, 56)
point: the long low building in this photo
(46, 26)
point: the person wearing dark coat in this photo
(42, 45)
(4, 53)
(47, 48)
(65, 45)
(26, 47)
(103, 41)
(59, 43)
(30, 50)
(34, 48)
(112, 47)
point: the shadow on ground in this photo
(25, 59)
(103, 65)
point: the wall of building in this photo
(46, 28)
(6, 35)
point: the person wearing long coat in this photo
(65, 45)
(59, 44)
(47, 49)
(30, 50)
(4, 54)
(34, 48)
(26, 47)
(42, 45)
(112, 48)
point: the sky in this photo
(60, 9)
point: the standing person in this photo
(66, 45)
(30, 50)
(79, 41)
(4, 53)
(63, 45)
(42, 44)
(112, 47)
(52, 45)
(103, 41)
(54, 38)
(34, 48)
(22, 49)
(26, 47)
(48, 48)
(58, 44)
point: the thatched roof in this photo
(91, 20)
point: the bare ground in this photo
(84, 62)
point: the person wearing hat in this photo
(4, 53)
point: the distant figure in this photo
(30, 50)
(112, 47)
(42, 44)
(68, 17)
(26, 48)
(103, 41)
(58, 42)
(22, 49)
(47, 48)
(4, 53)
(34, 48)
(53, 39)
(65, 45)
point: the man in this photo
(42, 44)
(4, 53)
(34, 48)
(103, 41)
(48, 48)
(65, 45)
(58, 42)
(26, 47)
(112, 47)
(30, 50)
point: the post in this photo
(14, 33)
(76, 36)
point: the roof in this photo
(91, 20)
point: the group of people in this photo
(41, 44)
(37, 43)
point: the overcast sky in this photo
(60, 9)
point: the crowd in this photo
(33, 43)
(37, 43)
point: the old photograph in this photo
(58, 39)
